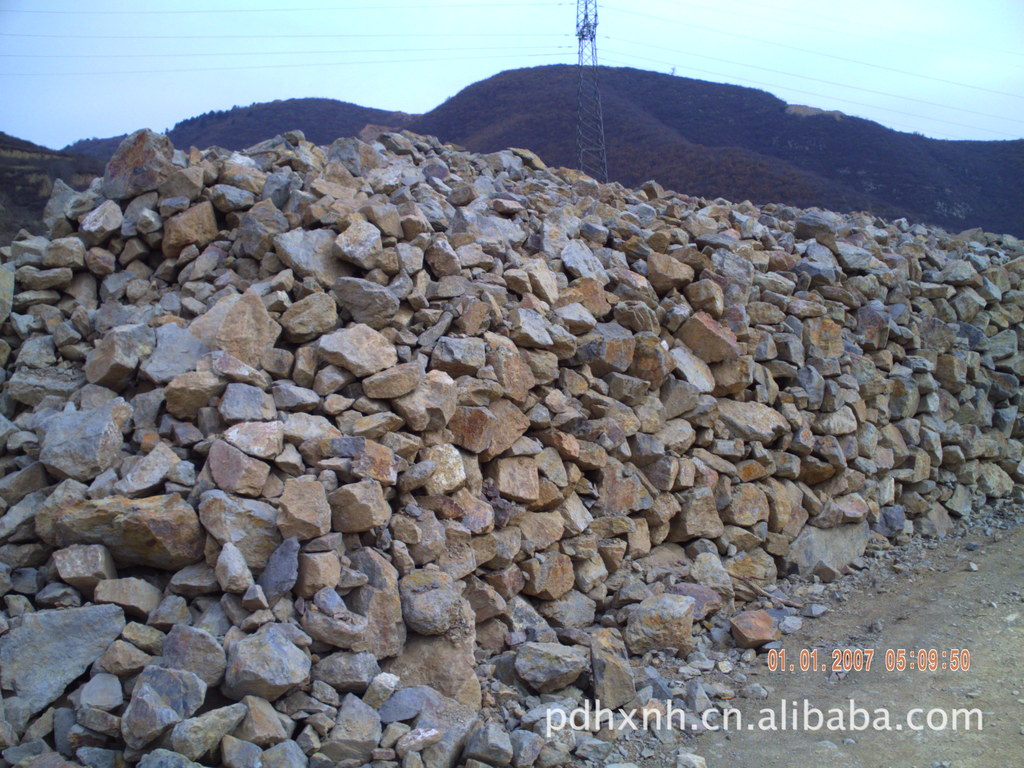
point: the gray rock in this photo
(177, 351)
(265, 664)
(347, 672)
(548, 667)
(356, 732)
(365, 301)
(489, 743)
(50, 649)
(287, 754)
(165, 758)
(82, 444)
(282, 570)
(431, 603)
(195, 650)
(197, 736)
(310, 254)
(834, 547)
(161, 698)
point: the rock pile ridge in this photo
(374, 452)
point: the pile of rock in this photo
(303, 443)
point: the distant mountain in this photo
(693, 136)
(27, 173)
(740, 143)
(322, 120)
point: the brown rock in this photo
(188, 392)
(304, 511)
(549, 575)
(706, 601)
(158, 531)
(698, 518)
(239, 325)
(667, 272)
(823, 338)
(431, 405)
(359, 349)
(195, 226)
(84, 565)
(473, 428)
(444, 666)
(516, 478)
(752, 629)
(748, 505)
(235, 472)
(752, 421)
(394, 382)
(317, 570)
(709, 340)
(614, 686)
(359, 507)
(309, 317)
(661, 622)
(135, 596)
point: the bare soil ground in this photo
(929, 598)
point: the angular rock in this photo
(50, 649)
(660, 622)
(82, 444)
(265, 664)
(158, 531)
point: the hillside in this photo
(724, 140)
(27, 173)
(322, 120)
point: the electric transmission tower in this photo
(590, 148)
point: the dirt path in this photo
(937, 602)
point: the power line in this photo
(559, 53)
(818, 80)
(814, 53)
(269, 37)
(844, 23)
(789, 22)
(819, 95)
(263, 53)
(429, 6)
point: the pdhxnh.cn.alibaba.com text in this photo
(787, 715)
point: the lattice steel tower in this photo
(590, 148)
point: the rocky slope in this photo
(380, 452)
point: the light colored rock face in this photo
(342, 430)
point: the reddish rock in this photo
(752, 629)
(235, 472)
(709, 340)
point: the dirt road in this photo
(938, 602)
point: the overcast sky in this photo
(70, 69)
